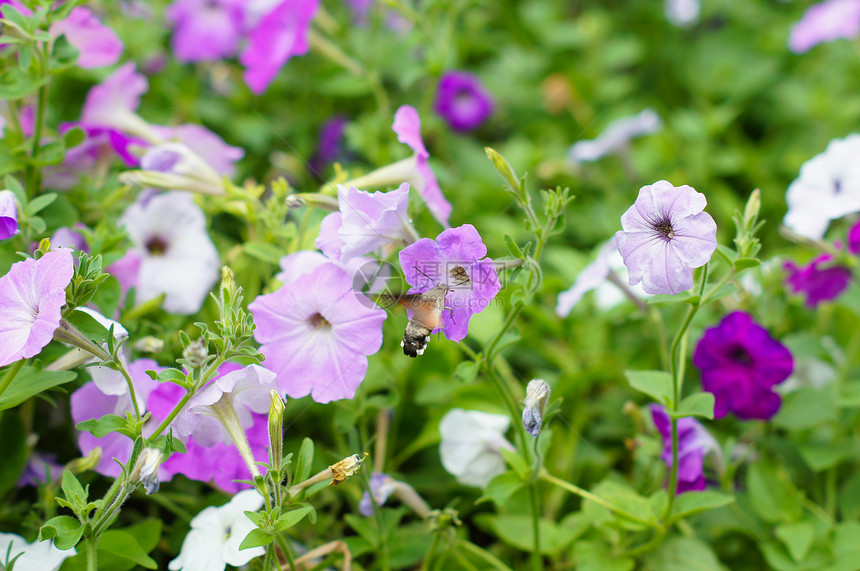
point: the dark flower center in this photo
(740, 356)
(664, 227)
(316, 320)
(156, 245)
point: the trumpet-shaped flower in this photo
(664, 235)
(206, 30)
(8, 215)
(470, 444)
(615, 137)
(407, 126)
(172, 252)
(463, 101)
(99, 46)
(456, 259)
(215, 535)
(825, 22)
(816, 282)
(31, 296)
(740, 364)
(366, 222)
(316, 333)
(36, 556)
(694, 443)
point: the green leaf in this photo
(13, 451)
(88, 325)
(656, 384)
(744, 263)
(693, 502)
(103, 426)
(292, 517)
(256, 538)
(846, 547)
(65, 530)
(517, 531)
(16, 83)
(169, 375)
(263, 251)
(39, 203)
(668, 298)
(124, 545)
(597, 556)
(797, 538)
(699, 404)
(74, 137)
(683, 554)
(823, 455)
(515, 461)
(727, 254)
(725, 290)
(626, 498)
(304, 460)
(806, 408)
(774, 497)
(364, 528)
(466, 371)
(31, 381)
(501, 488)
(72, 489)
(513, 248)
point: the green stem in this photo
(130, 384)
(483, 554)
(504, 329)
(537, 561)
(585, 494)
(176, 410)
(267, 563)
(34, 173)
(11, 373)
(91, 552)
(285, 547)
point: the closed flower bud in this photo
(537, 395)
(196, 353)
(146, 469)
(149, 344)
(276, 423)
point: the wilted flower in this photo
(316, 333)
(206, 30)
(216, 533)
(172, 252)
(694, 443)
(36, 556)
(740, 364)
(346, 468)
(816, 282)
(615, 136)
(828, 188)
(462, 100)
(456, 259)
(664, 235)
(280, 35)
(366, 222)
(537, 397)
(8, 215)
(99, 46)
(824, 22)
(470, 444)
(31, 296)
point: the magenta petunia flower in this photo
(8, 215)
(664, 235)
(280, 34)
(816, 282)
(206, 30)
(825, 22)
(407, 126)
(366, 222)
(99, 46)
(694, 443)
(853, 244)
(316, 333)
(456, 259)
(463, 101)
(740, 364)
(31, 296)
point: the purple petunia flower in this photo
(366, 222)
(211, 148)
(463, 101)
(31, 296)
(824, 22)
(206, 30)
(817, 283)
(381, 486)
(407, 126)
(316, 332)
(329, 144)
(98, 45)
(694, 442)
(8, 215)
(853, 244)
(279, 35)
(455, 258)
(740, 364)
(827, 188)
(664, 235)
(172, 253)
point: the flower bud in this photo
(347, 467)
(228, 284)
(196, 353)
(149, 344)
(145, 470)
(537, 395)
(504, 168)
(276, 435)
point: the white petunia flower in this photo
(682, 13)
(470, 445)
(828, 188)
(36, 556)
(615, 136)
(215, 535)
(172, 252)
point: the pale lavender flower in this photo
(280, 35)
(40, 469)
(8, 215)
(31, 297)
(463, 101)
(113, 103)
(366, 222)
(827, 188)
(694, 443)
(245, 391)
(172, 252)
(825, 22)
(455, 258)
(213, 541)
(99, 46)
(206, 30)
(316, 333)
(360, 11)
(615, 137)
(407, 126)
(682, 13)
(65, 237)
(664, 235)
(381, 486)
(36, 556)
(469, 445)
(211, 148)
